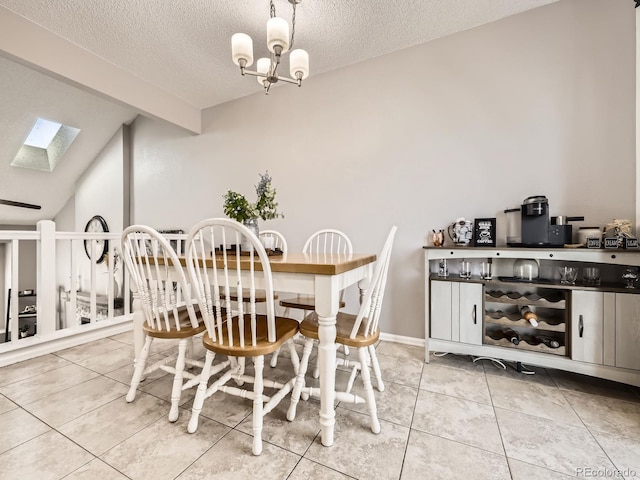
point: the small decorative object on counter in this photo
(486, 270)
(437, 238)
(442, 268)
(630, 242)
(594, 243)
(618, 229)
(630, 276)
(465, 269)
(484, 232)
(591, 276)
(611, 242)
(568, 275)
(525, 269)
(461, 232)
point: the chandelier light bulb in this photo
(242, 49)
(299, 64)
(277, 35)
(262, 66)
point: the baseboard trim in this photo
(388, 337)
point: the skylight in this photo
(45, 145)
(42, 133)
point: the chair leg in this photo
(176, 391)
(366, 380)
(376, 368)
(201, 392)
(274, 358)
(139, 369)
(299, 385)
(258, 405)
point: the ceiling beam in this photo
(29, 44)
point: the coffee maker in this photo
(535, 221)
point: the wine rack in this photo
(505, 326)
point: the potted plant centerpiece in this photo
(238, 208)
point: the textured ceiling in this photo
(184, 46)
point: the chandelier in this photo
(278, 42)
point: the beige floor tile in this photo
(455, 382)
(394, 349)
(116, 421)
(359, 453)
(532, 398)
(457, 419)
(624, 452)
(18, 426)
(308, 470)
(436, 458)
(40, 386)
(49, 456)
(223, 408)
(542, 442)
(162, 450)
(96, 469)
(30, 368)
(395, 404)
(6, 404)
(295, 436)
(109, 361)
(162, 387)
(464, 362)
(231, 458)
(526, 471)
(125, 374)
(405, 371)
(124, 337)
(595, 386)
(607, 415)
(62, 407)
(83, 352)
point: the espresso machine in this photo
(540, 230)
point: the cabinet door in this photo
(587, 323)
(471, 313)
(441, 313)
(627, 330)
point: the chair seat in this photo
(303, 302)
(186, 330)
(286, 328)
(261, 295)
(344, 325)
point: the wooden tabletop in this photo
(312, 263)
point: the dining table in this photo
(323, 275)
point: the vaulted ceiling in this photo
(179, 51)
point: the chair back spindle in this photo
(233, 276)
(328, 241)
(163, 291)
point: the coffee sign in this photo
(484, 234)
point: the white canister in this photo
(588, 232)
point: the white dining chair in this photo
(245, 334)
(359, 331)
(170, 313)
(322, 241)
(274, 240)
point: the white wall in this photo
(538, 103)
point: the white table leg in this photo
(327, 298)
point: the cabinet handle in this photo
(475, 317)
(580, 326)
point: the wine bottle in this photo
(507, 333)
(529, 315)
(548, 341)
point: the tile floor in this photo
(64, 416)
